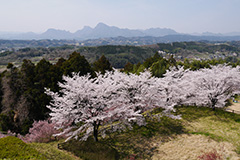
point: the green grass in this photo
(135, 142)
(90, 150)
(14, 148)
(219, 126)
(51, 151)
(192, 113)
(237, 150)
(224, 129)
(237, 98)
(212, 136)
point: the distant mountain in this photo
(211, 34)
(21, 36)
(56, 34)
(158, 32)
(232, 34)
(103, 31)
(100, 31)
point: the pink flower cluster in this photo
(42, 132)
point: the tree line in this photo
(22, 90)
(158, 65)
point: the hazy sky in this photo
(184, 16)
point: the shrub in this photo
(42, 132)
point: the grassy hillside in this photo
(201, 131)
(14, 148)
(51, 151)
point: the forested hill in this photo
(120, 55)
(117, 55)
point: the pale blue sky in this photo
(184, 16)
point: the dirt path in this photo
(235, 107)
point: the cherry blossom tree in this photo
(111, 101)
(212, 87)
(41, 131)
(175, 89)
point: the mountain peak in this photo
(56, 34)
(52, 30)
(101, 25)
(86, 27)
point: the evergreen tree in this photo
(28, 73)
(102, 65)
(149, 61)
(159, 68)
(128, 67)
(76, 63)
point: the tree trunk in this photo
(214, 102)
(95, 131)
